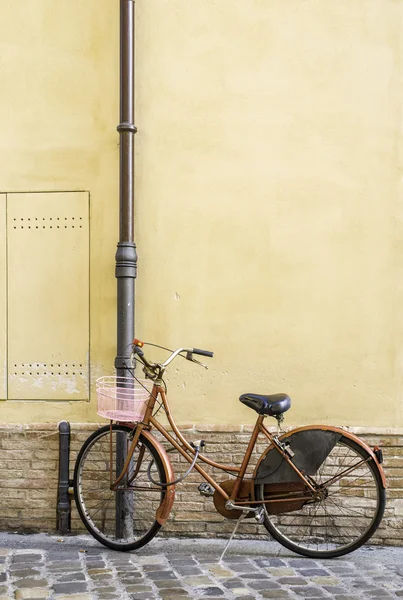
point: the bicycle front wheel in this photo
(123, 519)
(349, 509)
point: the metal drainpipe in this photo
(63, 499)
(126, 256)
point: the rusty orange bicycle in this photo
(318, 490)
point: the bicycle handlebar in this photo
(138, 344)
(203, 352)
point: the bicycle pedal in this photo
(206, 489)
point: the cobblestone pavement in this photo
(77, 568)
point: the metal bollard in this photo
(63, 500)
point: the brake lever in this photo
(189, 356)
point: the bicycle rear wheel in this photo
(122, 519)
(347, 515)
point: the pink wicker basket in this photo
(123, 398)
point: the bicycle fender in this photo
(164, 509)
(330, 429)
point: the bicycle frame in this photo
(184, 448)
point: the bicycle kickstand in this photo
(239, 521)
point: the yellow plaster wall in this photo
(59, 111)
(3, 298)
(268, 190)
(269, 182)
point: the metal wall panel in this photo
(3, 299)
(48, 296)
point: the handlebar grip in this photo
(203, 352)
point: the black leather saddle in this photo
(272, 405)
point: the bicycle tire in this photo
(98, 505)
(345, 518)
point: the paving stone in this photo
(325, 580)
(263, 584)
(345, 571)
(237, 591)
(31, 583)
(63, 554)
(134, 589)
(185, 560)
(196, 581)
(280, 571)
(231, 583)
(119, 558)
(177, 597)
(308, 592)
(236, 559)
(313, 572)
(370, 566)
(151, 560)
(98, 565)
(270, 562)
(219, 571)
(154, 575)
(334, 590)
(74, 576)
(72, 588)
(303, 563)
(186, 571)
(277, 594)
(244, 568)
(27, 558)
(98, 571)
(292, 581)
(18, 572)
(37, 593)
(212, 591)
(154, 568)
(63, 567)
(168, 593)
(76, 597)
(166, 583)
(207, 560)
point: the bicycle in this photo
(318, 490)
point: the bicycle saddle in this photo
(272, 405)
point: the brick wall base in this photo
(29, 480)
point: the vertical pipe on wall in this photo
(126, 256)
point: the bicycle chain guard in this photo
(310, 448)
(244, 495)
